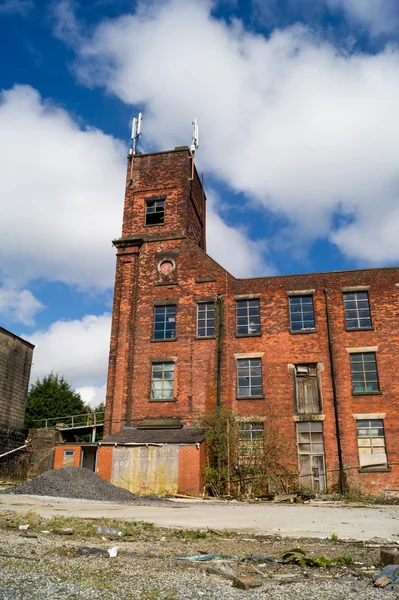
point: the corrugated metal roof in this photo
(131, 435)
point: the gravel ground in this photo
(48, 566)
(76, 482)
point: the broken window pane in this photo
(248, 317)
(165, 322)
(371, 443)
(155, 212)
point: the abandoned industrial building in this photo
(313, 358)
(15, 365)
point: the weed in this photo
(334, 537)
(193, 534)
(348, 559)
(299, 557)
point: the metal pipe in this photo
(11, 451)
(335, 399)
(219, 313)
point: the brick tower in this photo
(164, 206)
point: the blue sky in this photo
(297, 105)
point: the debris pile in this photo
(76, 482)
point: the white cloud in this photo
(21, 7)
(303, 129)
(18, 305)
(380, 16)
(63, 188)
(76, 349)
(232, 247)
(92, 395)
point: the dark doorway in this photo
(89, 456)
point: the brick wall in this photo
(191, 459)
(197, 277)
(59, 455)
(104, 462)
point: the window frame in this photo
(247, 317)
(356, 300)
(158, 200)
(69, 452)
(157, 309)
(155, 368)
(370, 424)
(206, 304)
(353, 372)
(291, 299)
(247, 447)
(250, 386)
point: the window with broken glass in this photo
(165, 322)
(311, 455)
(301, 313)
(364, 372)
(250, 439)
(155, 212)
(206, 319)
(371, 443)
(357, 310)
(248, 317)
(162, 381)
(249, 377)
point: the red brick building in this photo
(314, 357)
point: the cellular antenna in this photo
(194, 139)
(136, 133)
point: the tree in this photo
(52, 397)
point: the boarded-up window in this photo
(69, 458)
(307, 390)
(371, 443)
(311, 455)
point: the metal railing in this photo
(91, 419)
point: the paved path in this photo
(306, 520)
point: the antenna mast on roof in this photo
(194, 139)
(136, 133)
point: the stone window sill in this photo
(163, 400)
(304, 331)
(375, 470)
(250, 397)
(377, 393)
(359, 329)
(164, 340)
(245, 335)
(205, 337)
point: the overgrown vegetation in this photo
(242, 464)
(299, 557)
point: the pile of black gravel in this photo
(76, 482)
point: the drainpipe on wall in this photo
(219, 322)
(335, 400)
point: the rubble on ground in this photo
(79, 483)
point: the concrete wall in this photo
(43, 443)
(15, 365)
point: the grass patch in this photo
(82, 527)
(348, 559)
